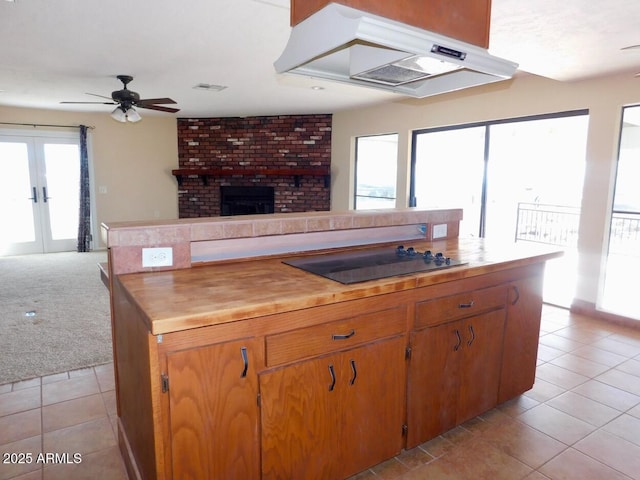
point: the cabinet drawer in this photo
(333, 336)
(439, 310)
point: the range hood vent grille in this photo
(391, 75)
(347, 45)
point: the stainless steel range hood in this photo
(347, 45)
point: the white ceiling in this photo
(59, 50)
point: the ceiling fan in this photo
(126, 100)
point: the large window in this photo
(516, 180)
(623, 259)
(376, 169)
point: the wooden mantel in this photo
(296, 173)
(465, 20)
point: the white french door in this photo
(39, 193)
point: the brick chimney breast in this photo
(254, 144)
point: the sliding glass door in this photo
(448, 172)
(39, 194)
(535, 177)
(623, 258)
(518, 180)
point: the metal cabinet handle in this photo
(355, 372)
(35, 196)
(515, 289)
(466, 305)
(473, 335)
(245, 360)
(44, 194)
(343, 337)
(457, 346)
(333, 378)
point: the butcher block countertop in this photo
(223, 292)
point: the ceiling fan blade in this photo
(159, 108)
(151, 101)
(96, 95)
(93, 103)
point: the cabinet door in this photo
(454, 374)
(213, 411)
(372, 400)
(432, 390)
(300, 420)
(480, 363)
(521, 339)
(334, 416)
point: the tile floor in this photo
(580, 421)
(68, 413)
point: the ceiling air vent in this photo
(209, 87)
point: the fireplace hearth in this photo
(246, 200)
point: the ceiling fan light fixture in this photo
(132, 115)
(126, 101)
(119, 115)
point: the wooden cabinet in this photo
(333, 336)
(479, 366)
(322, 392)
(454, 371)
(459, 305)
(468, 21)
(213, 411)
(335, 415)
(522, 333)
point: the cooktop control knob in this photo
(411, 252)
(400, 250)
(428, 256)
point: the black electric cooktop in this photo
(371, 264)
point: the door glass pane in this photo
(16, 209)
(62, 164)
(537, 164)
(534, 190)
(376, 170)
(623, 259)
(449, 170)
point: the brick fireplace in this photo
(289, 153)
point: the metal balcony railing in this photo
(550, 224)
(625, 233)
(558, 225)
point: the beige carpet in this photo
(54, 314)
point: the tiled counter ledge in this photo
(198, 240)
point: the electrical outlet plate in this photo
(157, 257)
(440, 231)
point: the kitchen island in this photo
(241, 366)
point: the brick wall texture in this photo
(255, 144)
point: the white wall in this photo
(522, 96)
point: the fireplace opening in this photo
(246, 200)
